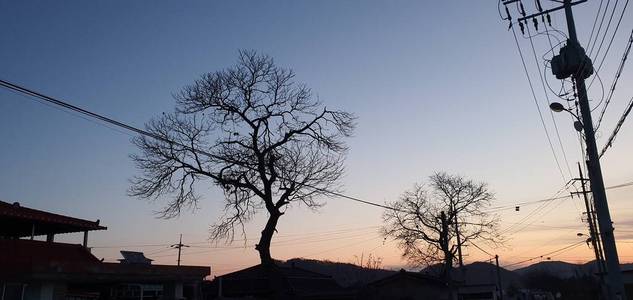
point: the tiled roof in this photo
(33, 259)
(409, 275)
(256, 281)
(18, 221)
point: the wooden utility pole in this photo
(573, 62)
(499, 278)
(594, 236)
(179, 247)
(592, 229)
(614, 275)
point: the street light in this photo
(557, 107)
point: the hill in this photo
(350, 275)
(558, 268)
(345, 274)
(565, 270)
(486, 273)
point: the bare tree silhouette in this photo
(425, 221)
(255, 133)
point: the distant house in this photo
(405, 285)
(276, 282)
(627, 278)
(48, 270)
(478, 292)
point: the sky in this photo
(436, 86)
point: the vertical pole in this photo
(179, 248)
(86, 239)
(499, 278)
(448, 257)
(614, 277)
(33, 231)
(459, 244)
(593, 232)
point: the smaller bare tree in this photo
(430, 223)
(371, 262)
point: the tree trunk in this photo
(263, 247)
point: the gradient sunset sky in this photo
(436, 86)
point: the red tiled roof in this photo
(33, 259)
(18, 221)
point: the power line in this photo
(29, 92)
(600, 27)
(561, 250)
(617, 128)
(538, 107)
(595, 21)
(562, 148)
(610, 42)
(614, 33)
(481, 249)
(618, 73)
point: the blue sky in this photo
(435, 85)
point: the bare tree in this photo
(429, 223)
(255, 133)
(371, 262)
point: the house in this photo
(276, 282)
(45, 269)
(478, 292)
(407, 285)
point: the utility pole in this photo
(595, 240)
(459, 248)
(499, 278)
(573, 62)
(448, 259)
(614, 275)
(179, 247)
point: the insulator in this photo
(535, 21)
(549, 20)
(522, 9)
(522, 28)
(538, 5)
(508, 13)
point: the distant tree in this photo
(425, 221)
(370, 262)
(255, 133)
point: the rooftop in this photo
(38, 259)
(19, 221)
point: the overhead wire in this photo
(128, 127)
(618, 126)
(538, 66)
(600, 27)
(561, 250)
(618, 73)
(610, 42)
(538, 107)
(139, 131)
(595, 21)
(606, 32)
